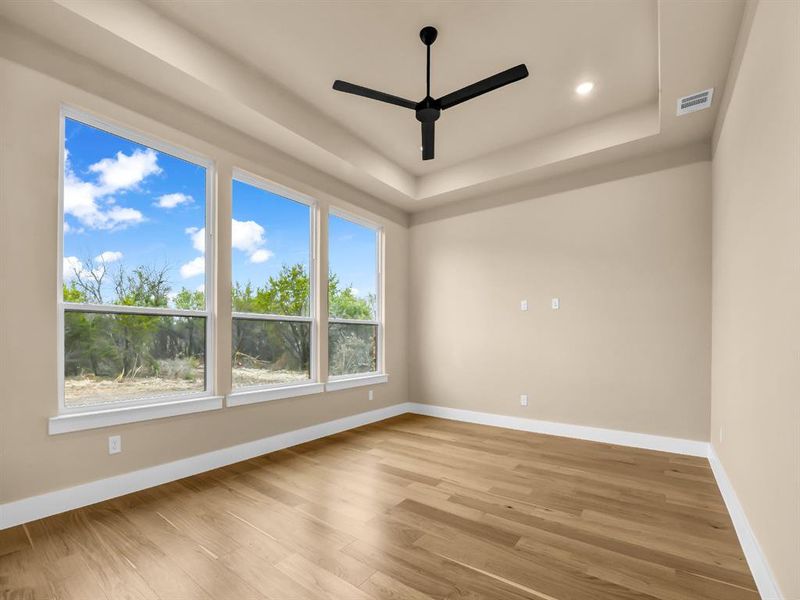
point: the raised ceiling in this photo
(266, 68)
(307, 45)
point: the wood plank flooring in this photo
(412, 508)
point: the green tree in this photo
(189, 300)
(190, 329)
(87, 337)
(288, 342)
(285, 294)
(72, 293)
(351, 347)
(344, 304)
(134, 334)
(131, 345)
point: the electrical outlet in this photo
(371, 395)
(114, 444)
(523, 400)
(555, 303)
(523, 305)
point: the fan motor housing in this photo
(428, 110)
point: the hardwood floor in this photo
(411, 508)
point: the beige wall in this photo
(31, 461)
(755, 422)
(630, 346)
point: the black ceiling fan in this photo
(429, 109)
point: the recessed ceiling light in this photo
(584, 88)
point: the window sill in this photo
(356, 381)
(107, 417)
(277, 393)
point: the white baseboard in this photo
(765, 580)
(581, 432)
(51, 503)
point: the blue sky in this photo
(351, 255)
(129, 205)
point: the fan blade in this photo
(427, 140)
(485, 85)
(351, 88)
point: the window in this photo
(354, 287)
(134, 277)
(273, 286)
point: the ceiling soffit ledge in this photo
(695, 42)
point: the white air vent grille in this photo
(697, 101)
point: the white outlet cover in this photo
(523, 305)
(555, 303)
(371, 395)
(523, 400)
(114, 444)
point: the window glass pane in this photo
(270, 352)
(112, 357)
(271, 245)
(352, 349)
(134, 222)
(353, 278)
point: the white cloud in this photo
(198, 238)
(126, 171)
(194, 267)
(355, 291)
(247, 236)
(201, 288)
(66, 227)
(121, 215)
(173, 200)
(108, 256)
(72, 267)
(84, 200)
(81, 200)
(261, 255)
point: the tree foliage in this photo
(121, 345)
(344, 304)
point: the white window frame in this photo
(249, 394)
(339, 382)
(73, 418)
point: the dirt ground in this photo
(90, 391)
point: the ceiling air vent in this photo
(697, 101)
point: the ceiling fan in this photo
(429, 109)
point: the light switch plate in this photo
(555, 303)
(523, 305)
(371, 395)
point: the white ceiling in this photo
(306, 45)
(266, 69)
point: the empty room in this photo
(399, 300)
